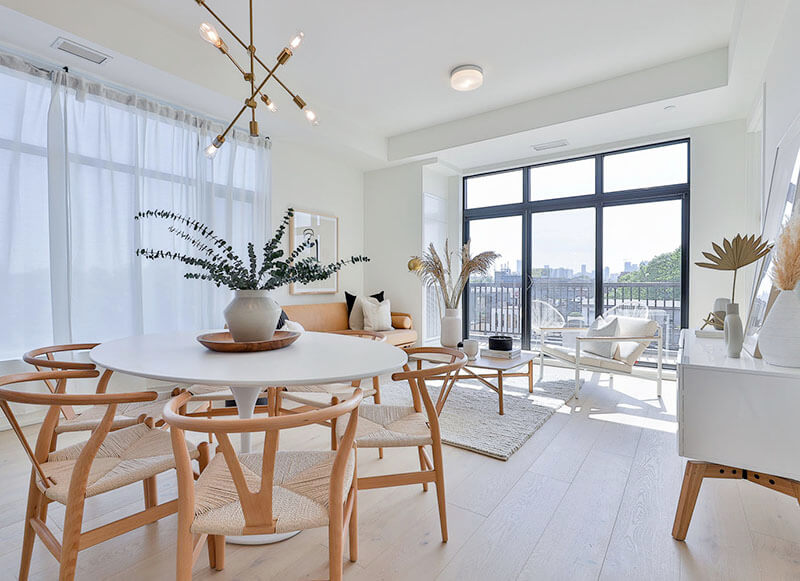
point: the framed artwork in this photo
(323, 231)
(780, 207)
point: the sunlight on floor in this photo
(636, 421)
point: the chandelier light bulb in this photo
(296, 40)
(210, 34)
(211, 151)
(269, 103)
(311, 116)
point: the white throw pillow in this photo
(602, 328)
(377, 316)
(293, 326)
(629, 351)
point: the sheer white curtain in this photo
(77, 161)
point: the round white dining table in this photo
(315, 358)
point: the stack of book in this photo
(494, 353)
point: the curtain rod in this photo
(24, 63)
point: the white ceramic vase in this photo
(450, 335)
(779, 337)
(252, 315)
(734, 332)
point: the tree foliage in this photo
(217, 262)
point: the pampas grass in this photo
(786, 256)
(437, 273)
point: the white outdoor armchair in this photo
(635, 334)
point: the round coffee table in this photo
(315, 358)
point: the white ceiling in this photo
(387, 63)
(377, 71)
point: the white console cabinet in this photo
(737, 418)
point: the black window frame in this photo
(598, 200)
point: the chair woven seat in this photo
(128, 414)
(387, 426)
(320, 395)
(125, 456)
(300, 492)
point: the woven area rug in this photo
(470, 420)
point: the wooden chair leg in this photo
(376, 385)
(352, 528)
(212, 552)
(28, 536)
(150, 492)
(184, 553)
(439, 468)
(692, 480)
(422, 466)
(70, 545)
(335, 547)
(219, 551)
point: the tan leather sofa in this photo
(328, 317)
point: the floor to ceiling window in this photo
(579, 238)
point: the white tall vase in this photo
(450, 335)
(252, 315)
(779, 338)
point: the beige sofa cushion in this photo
(587, 359)
(630, 351)
(400, 336)
(324, 317)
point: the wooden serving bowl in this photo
(223, 342)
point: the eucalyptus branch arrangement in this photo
(440, 274)
(217, 262)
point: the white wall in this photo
(307, 179)
(393, 233)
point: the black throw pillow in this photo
(351, 300)
(282, 320)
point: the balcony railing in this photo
(496, 307)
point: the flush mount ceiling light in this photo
(466, 77)
(210, 35)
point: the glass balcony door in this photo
(562, 277)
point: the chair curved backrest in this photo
(445, 363)
(363, 333)
(633, 309)
(56, 401)
(544, 315)
(256, 505)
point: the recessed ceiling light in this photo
(466, 77)
(670, 107)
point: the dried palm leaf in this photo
(435, 273)
(735, 254)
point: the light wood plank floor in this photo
(590, 496)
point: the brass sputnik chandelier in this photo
(210, 34)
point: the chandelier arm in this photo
(251, 51)
(236, 64)
(233, 122)
(284, 86)
(219, 20)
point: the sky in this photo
(633, 233)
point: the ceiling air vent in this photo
(80, 51)
(550, 145)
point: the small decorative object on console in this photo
(734, 332)
(471, 348)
